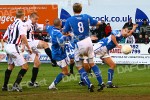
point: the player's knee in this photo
(65, 72)
(11, 66)
(37, 64)
(91, 64)
(113, 66)
(25, 66)
(71, 61)
(45, 45)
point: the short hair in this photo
(19, 13)
(32, 15)
(57, 22)
(77, 8)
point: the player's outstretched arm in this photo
(113, 38)
(133, 29)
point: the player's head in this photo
(125, 30)
(34, 17)
(77, 8)
(57, 23)
(20, 14)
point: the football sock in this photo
(97, 74)
(7, 76)
(71, 67)
(20, 76)
(34, 74)
(110, 75)
(84, 76)
(49, 53)
(59, 78)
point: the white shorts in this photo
(14, 55)
(33, 45)
(84, 48)
(63, 63)
(101, 51)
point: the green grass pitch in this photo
(133, 82)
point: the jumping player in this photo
(79, 25)
(34, 44)
(15, 33)
(104, 45)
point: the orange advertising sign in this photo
(8, 12)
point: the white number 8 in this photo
(80, 27)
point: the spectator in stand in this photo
(146, 39)
(130, 39)
(40, 37)
(129, 24)
(101, 30)
(1, 40)
(47, 38)
(94, 31)
(143, 27)
(107, 30)
(140, 39)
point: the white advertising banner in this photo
(139, 55)
(115, 12)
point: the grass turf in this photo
(133, 82)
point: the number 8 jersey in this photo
(79, 25)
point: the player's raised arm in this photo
(46, 25)
(93, 22)
(133, 29)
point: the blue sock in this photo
(58, 78)
(81, 79)
(84, 76)
(110, 75)
(97, 73)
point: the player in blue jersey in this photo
(104, 45)
(58, 51)
(79, 25)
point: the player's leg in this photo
(71, 66)
(81, 70)
(45, 46)
(7, 76)
(19, 61)
(35, 71)
(95, 68)
(64, 66)
(9, 69)
(87, 68)
(97, 73)
(112, 65)
(84, 76)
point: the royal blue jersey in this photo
(49, 29)
(79, 25)
(58, 51)
(108, 41)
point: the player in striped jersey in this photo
(34, 44)
(15, 33)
